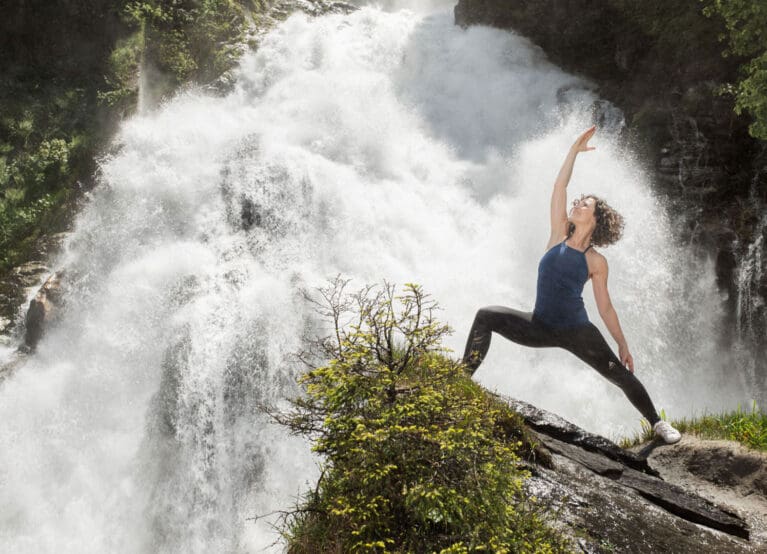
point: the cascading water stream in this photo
(376, 144)
(751, 313)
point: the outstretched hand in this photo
(625, 357)
(581, 143)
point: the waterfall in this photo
(750, 275)
(379, 145)
(750, 314)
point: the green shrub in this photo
(417, 457)
(746, 21)
(122, 78)
(189, 40)
(38, 169)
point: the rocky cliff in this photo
(692, 497)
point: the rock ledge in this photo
(618, 501)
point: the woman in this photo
(559, 317)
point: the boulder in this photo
(43, 309)
(618, 501)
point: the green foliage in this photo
(70, 72)
(45, 144)
(122, 77)
(747, 428)
(418, 458)
(189, 39)
(746, 21)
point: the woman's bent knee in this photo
(486, 314)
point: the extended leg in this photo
(589, 345)
(511, 324)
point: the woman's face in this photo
(583, 210)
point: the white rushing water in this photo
(383, 144)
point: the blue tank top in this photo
(562, 273)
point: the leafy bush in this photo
(37, 170)
(122, 77)
(418, 458)
(189, 39)
(746, 21)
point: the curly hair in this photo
(610, 223)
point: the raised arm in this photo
(606, 310)
(559, 194)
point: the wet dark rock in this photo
(618, 500)
(683, 504)
(43, 309)
(554, 426)
(29, 273)
(598, 463)
(250, 214)
(14, 289)
(17, 284)
(603, 515)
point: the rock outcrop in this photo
(17, 285)
(613, 500)
(43, 309)
(42, 312)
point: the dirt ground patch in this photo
(724, 472)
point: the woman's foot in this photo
(665, 431)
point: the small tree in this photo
(417, 457)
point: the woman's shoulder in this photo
(596, 260)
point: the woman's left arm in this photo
(607, 312)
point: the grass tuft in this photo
(746, 427)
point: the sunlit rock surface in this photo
(607, 497)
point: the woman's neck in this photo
(580, 239)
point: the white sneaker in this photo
(664, 430)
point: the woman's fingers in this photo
(584, 138)
(626, 359)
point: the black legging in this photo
(585, 341)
